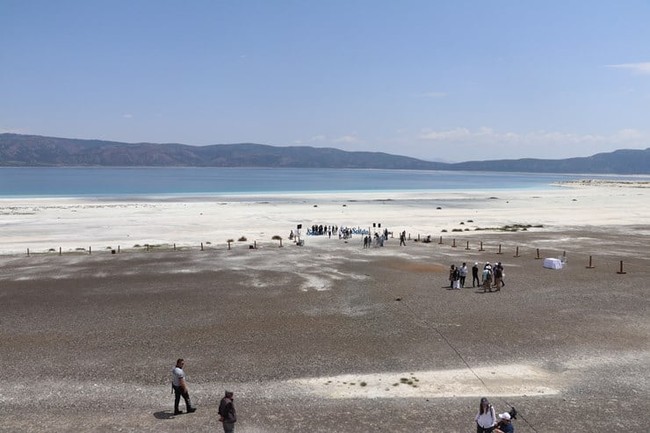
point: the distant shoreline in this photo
(608, 183)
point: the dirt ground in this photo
(330, 337)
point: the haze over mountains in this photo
(17, 150)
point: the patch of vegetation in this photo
(510, 228)
(242, 239)
(363, 384)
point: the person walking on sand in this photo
(454, 277)
(180, 388)
(498, 277)
(227, 414)
(485, 419)
(463, 274)
(475, 279)
(503, 274)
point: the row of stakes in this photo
(148, 248)
(254, 246)
(537, 257)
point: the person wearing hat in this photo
(485, 419)
(475, 279)
(505, 424)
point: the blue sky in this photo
(438, 80)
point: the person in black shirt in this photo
(227, 414)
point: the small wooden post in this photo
(621, 269)
(591, 266)
(59, 250)
(27, 252)
(118, 249)
(90, 250)
(536, 258)
(499, 252)
(254, 244)
(517, 252)
(201, 246)
(440, 241)
(467, 247)
(481, 249)
(174, 247)
(453, 243)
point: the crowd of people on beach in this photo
(491, 277)
(332, 230)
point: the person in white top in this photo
(485, 419)
(180, 388)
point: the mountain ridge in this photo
(19, 150)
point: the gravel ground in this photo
(327, 337)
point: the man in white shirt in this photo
(180, 388)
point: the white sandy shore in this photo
(42, 224)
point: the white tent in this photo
(551, 263)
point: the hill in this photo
(18, 150)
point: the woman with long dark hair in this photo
(485, 419)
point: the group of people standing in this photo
(227, 413)
(491, 277)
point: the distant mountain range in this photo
(17, 150)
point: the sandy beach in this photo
(327, 336)
(50, 224)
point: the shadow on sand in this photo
(164, 414)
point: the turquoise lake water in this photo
(119, 182)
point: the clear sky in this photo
(452, 80)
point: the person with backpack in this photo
(498, 276)
(486, 419)
(463, 274)
(487, 277)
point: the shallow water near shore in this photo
(124, 181)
